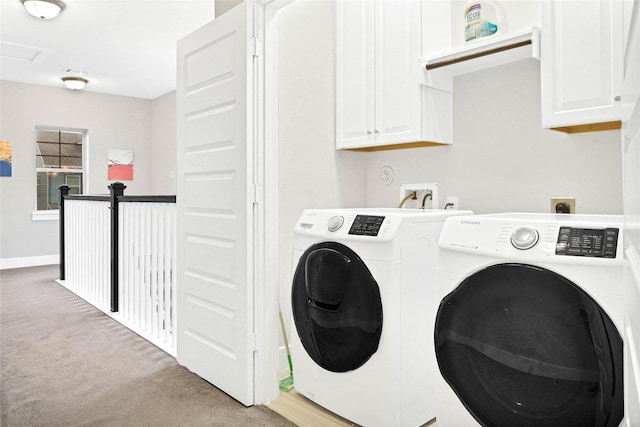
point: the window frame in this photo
(52, 214)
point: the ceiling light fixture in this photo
(75, 83)
(43, 9)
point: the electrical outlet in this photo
(452, 203)
(421, 200)
(563, 205)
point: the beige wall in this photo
(147, 127)
(224, 5)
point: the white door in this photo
(215, 203)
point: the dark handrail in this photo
(98, 198)
(147, 199)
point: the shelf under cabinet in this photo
(440, 69)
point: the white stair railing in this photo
(146, 260)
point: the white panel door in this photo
(215, 219)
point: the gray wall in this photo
(163, 148)
(501, 159)
(311, 173)
(112, 122)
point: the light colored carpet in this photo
(65, 363)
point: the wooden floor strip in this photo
(305, 413)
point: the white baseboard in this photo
(31, 261)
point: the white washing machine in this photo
(363, 292)
(529, 329)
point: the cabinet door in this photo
(354, 74)
(581, 58)
(398, 101)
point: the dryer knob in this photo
(335, 222)
(524, 238)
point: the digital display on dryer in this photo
(366, 225)
(587, 242)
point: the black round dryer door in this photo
(336, 307)
(523, 346)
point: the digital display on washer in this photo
(366, 225)
(587, 242)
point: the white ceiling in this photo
(126, 47)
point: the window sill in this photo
(45, 215)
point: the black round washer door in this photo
(523, 346)
(336, 307)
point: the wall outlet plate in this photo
(452, 203)
(421, 191)
(562, 205)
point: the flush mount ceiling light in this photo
(75, 83)
(43, 9)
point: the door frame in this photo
(266, 362)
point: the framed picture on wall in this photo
(120, 165)
(5, 158)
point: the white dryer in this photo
(363, 290)
(529, 329)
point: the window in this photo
(59, 161)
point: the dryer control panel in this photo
(587, 242)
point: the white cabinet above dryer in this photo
(581, 64)
(379, 98)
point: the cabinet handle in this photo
(368, 132)
(617, 98)
(376, 131)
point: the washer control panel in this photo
(366, 225)
(587, 242)
(352, 224)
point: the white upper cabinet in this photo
(378, 90)
(396, 71)
(581, 64)
(354, 74)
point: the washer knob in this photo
(524, 238)
(335, 222)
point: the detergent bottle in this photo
(483, 19)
